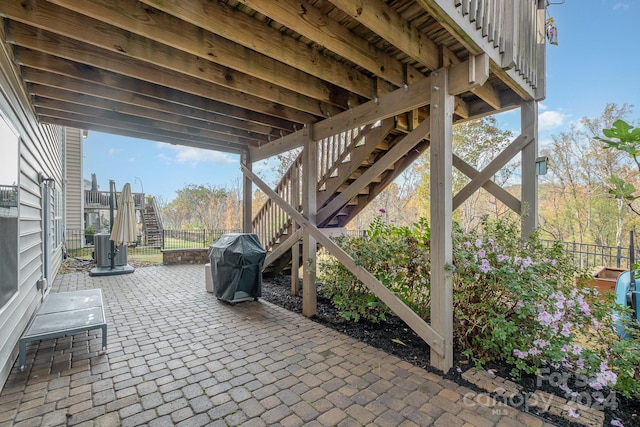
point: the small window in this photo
(9, 200)
(8, 169)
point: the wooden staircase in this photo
(353, 168)
(152, 224)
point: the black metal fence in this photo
(80, 245)
(587, 255)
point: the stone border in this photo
(185, 256)
(555, 405)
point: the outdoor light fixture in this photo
(42, 178)
(541, 165)
(552, 32)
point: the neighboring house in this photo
(45, 163)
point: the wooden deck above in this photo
(234, 75)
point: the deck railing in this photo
(271, 221)
(8, 196)
(512, 28)
(100, 199)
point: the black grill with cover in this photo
(236, 267)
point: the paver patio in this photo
(178, 356)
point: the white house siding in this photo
(40, 151)
(74, 188)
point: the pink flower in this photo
(576, 350)
(541, 343)
(478, 243)
(573, 414)
(534, 351)
(596, 325)
(584, 306)
(482, 253)
(527, 262)
(595, 385)
(616, 423)
(501, 257)
(566, 329)
(545, 318)
(519, 353)
(565, 388)
(485, 266)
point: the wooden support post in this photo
(295, 267)
(247, 195)
(529, 214)
(441, 119)
(309, 243)
(295, 249)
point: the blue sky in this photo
(597, 61)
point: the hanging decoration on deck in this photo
(552, 32)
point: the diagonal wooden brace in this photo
(415, 322)
(492, 168)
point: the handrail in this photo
(157, 212)
(271, 221)
(100, 199)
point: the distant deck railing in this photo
(8, 196)
(100, 199)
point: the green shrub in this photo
(514, 301)
(395, 256)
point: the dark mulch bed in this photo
(394, 337)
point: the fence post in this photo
(618, 256)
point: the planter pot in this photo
(604, 278)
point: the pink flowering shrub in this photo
(528, 305)
(514, 301)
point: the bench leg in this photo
(104, 337)
(22, 358)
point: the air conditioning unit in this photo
(103, 251)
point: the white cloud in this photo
(182, 154)
(542, 106)
(621, 6)
(550, 120)
(112, 152)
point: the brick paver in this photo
(178, 356)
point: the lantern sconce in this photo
(541, 165)
(552, 32)
(43, 179)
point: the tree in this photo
(578, 183)
(477, 142)
(202, 207)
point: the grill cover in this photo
(236, 267)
